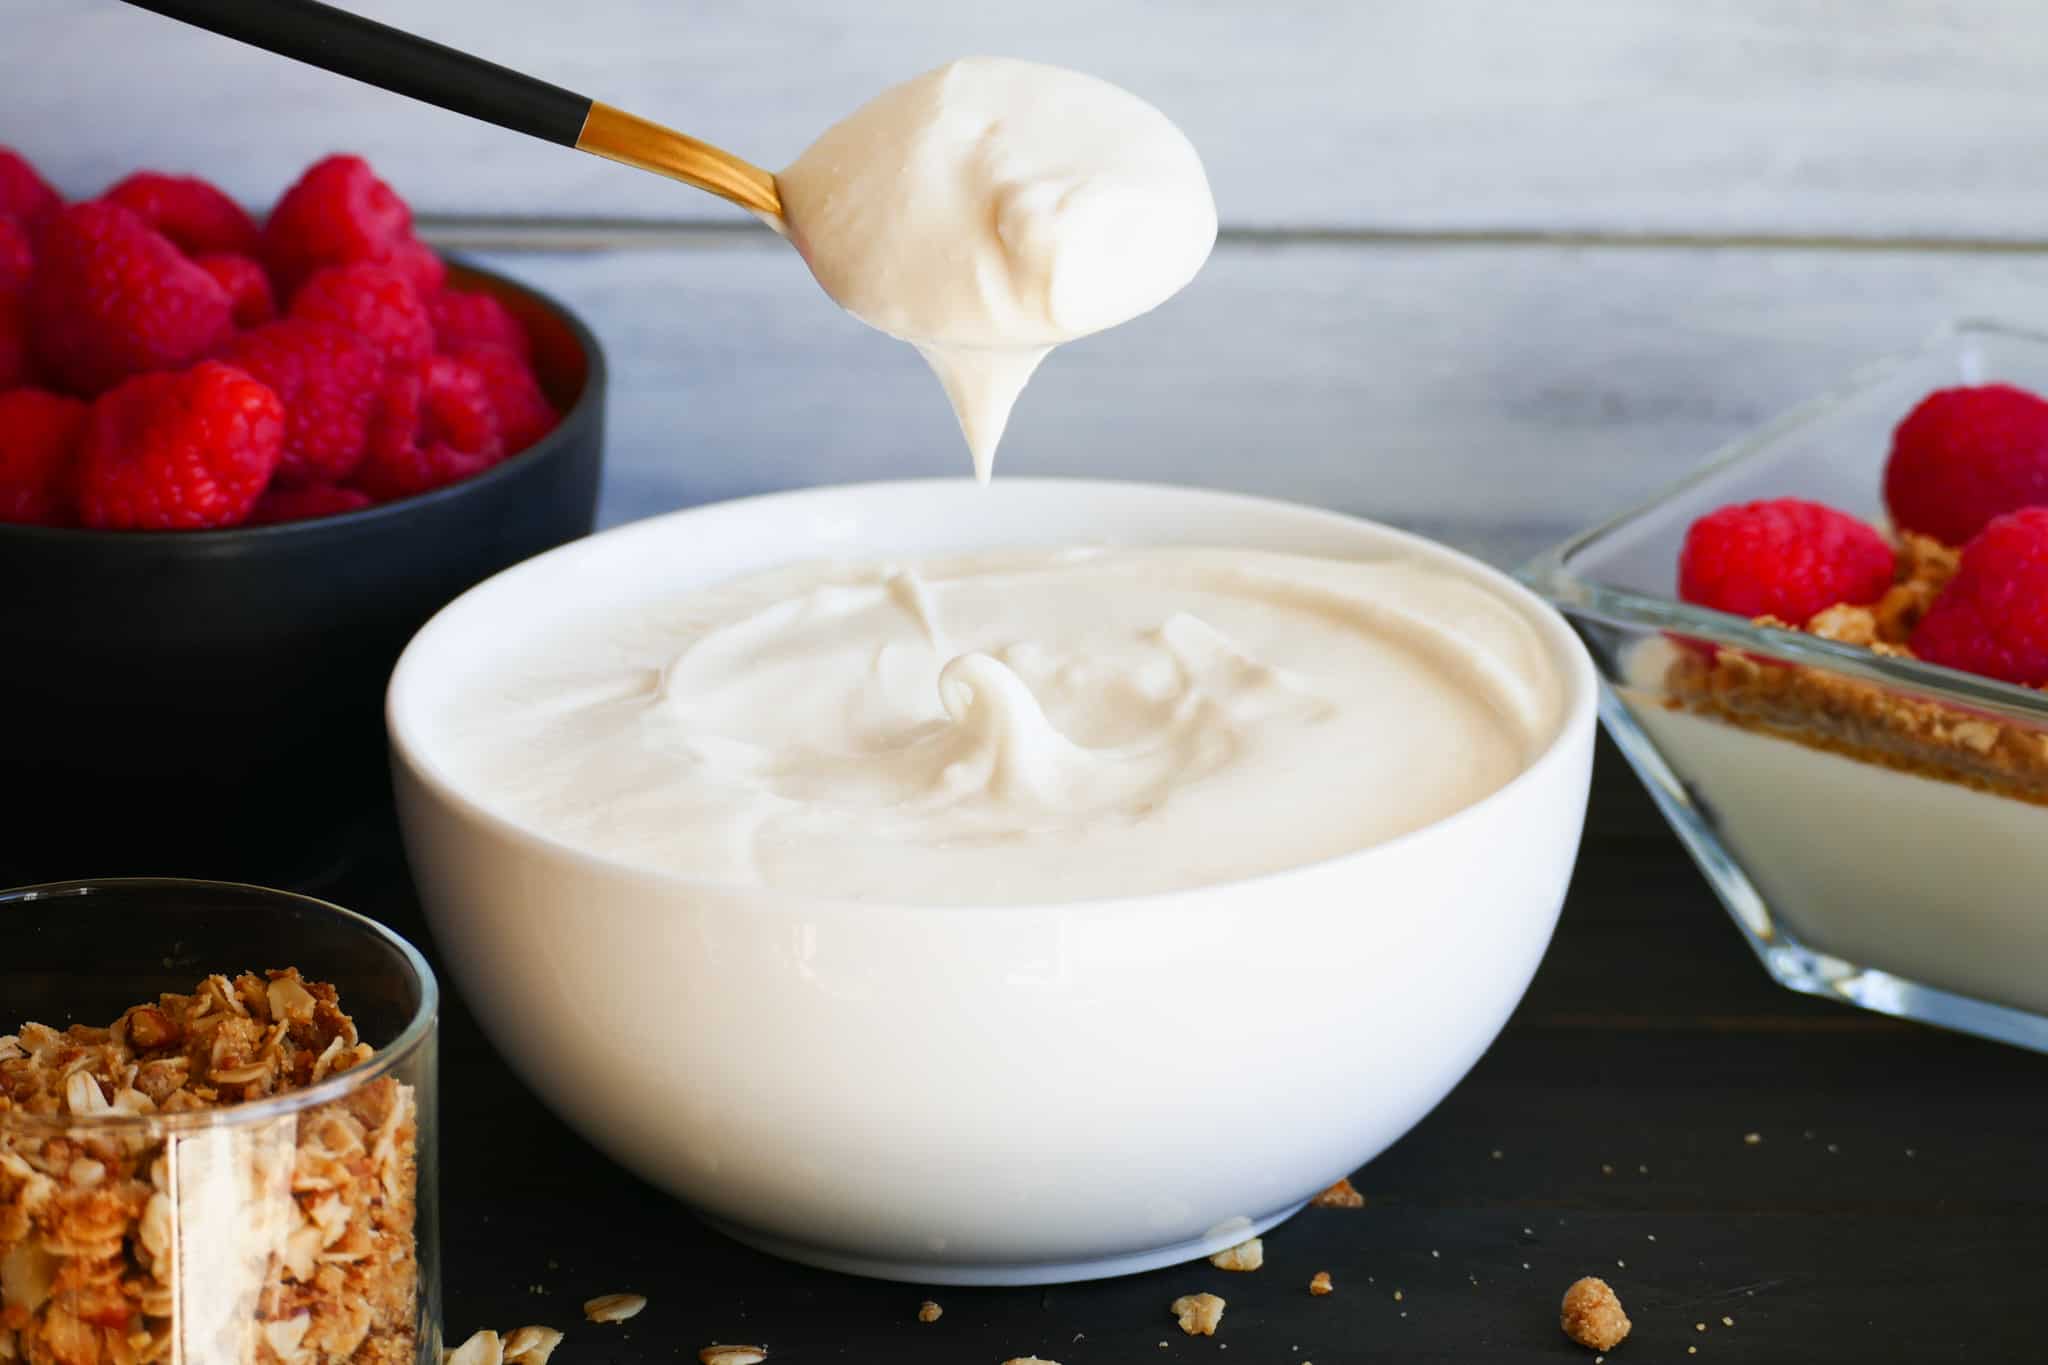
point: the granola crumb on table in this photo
(1199, 1314)
(1320, 1285)
(1591, 1315)
(732, 1355)
(613, 1307)
(1339, 1196)
(1244, 1256)
(929, 1311)
(285, 1239)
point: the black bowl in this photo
(210, 703)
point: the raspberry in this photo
(373, 301)
(112, 297)
(1786, 558)
(23, 193)
(199, 219)
(1964, 456)
(16, 362)
(301, 504)
(1992, 618)
(248, 287)
(328, 378)
(17, 259)
(524, 413)
(416, 261)
(434, 425)
(179, 451)
(465, 317)
(340, 212)
(38, 453)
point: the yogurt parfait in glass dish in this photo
(1824, 653)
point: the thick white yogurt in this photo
(1926, 879)
(991, 209)
(1016, 726)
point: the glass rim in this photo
(1551, 572)
(386, 1058)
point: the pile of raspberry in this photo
(1968, 475)
(168, 364)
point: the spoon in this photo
(406, 64)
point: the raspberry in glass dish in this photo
(1784, 558)
(1874, 821)
(1992, 617)
(1965, 455)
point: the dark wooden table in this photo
(1894, 1207)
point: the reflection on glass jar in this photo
(235, 1169)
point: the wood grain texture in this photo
(1497, 396)
(1844, 117)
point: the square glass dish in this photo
(1876, 826)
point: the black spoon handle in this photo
(406, 64)
(403, 63)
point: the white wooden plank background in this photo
(1762, 194)
(1835, 117)
(1498, 396)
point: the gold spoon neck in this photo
(634, 141)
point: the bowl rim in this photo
(595, 378)
(1576, 720)
(418, 1030)
(1552, 575)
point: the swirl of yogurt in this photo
(991, 209)
(1016, 726)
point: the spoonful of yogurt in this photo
(993, 208)
(984, 212)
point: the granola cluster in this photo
(129, 1236)
(1842, 715)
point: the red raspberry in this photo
(179, 451)
(301, 504)
(466, 317)
(23, 193)
(416, 261)
(1785, 558)
(434, 425)
(248, 287)
(112, 297)
(1992, 618)
(328, 379)
(340, 212)
(1964, 456)
(524, 413)
(373, 301)
(198, 218)
(16, 362)
(17, 259)
(38, 455)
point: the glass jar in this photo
(206, 1156)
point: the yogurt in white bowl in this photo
(906, 936)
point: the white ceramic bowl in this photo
(981, 1095)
